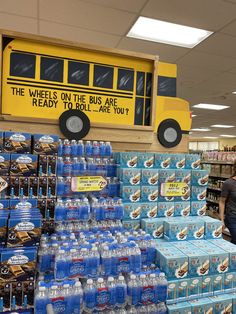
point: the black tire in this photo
(74, 124)
(169, 133)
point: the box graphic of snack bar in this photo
(154, 227)
(19, 143)
(5, 161)
(149, 210)
(130, 176)
(23, 165)
(132, 210)
(17, 264)
(150, 176)
(146, 160)
(45, 144)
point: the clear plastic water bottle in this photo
(76, 298)
(60, 148)
(102, 149)
(60, 186)
(108, 149)
(93, 262)
(96, 149)
(102, 296)
(66, 148)
(56, 299)
(61, 265)
(88, 149)
(83, 165)
(75, 167)
(111, 291)
(133, 290)
(44, 258)
(41, 301)
(162, 288)
(60, 166)
(84, 209)
(66, 294)
(60, 213)
(121, 292)
(80, 148)
(73, 148)
(90, 296)
(106, 261)
(67, 168)
(67, 186)
(135, 264)
(119, 208)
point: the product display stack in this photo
(198, 263)
(91, 263)
(26, 181)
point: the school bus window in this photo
(103, 76)
(138, 116)
(148, 84)
(166, 86)
(147, 115)
(22, 65)
(125, 80)
(51, 69)
(78, 73)
(140, 83)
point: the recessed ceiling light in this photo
(211, 106)
(222, 126)
(227, 135)
(201, 129)
(210, 137)
(167, 33)
(194, 115)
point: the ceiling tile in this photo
(131, 5)
(210, 14)
(19, 23)
(87, 15)
(23, 7)
(219, 44)
(195, 74)
(165, 52)
(77, 34)
(230, 29)
(206, 61)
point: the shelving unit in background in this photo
(219, 172)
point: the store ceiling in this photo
(206, 73)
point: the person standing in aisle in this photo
(227, 205)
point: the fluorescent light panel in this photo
(210, 137)
(167, 33)
(210, 106)
(194, 115)
(223, 126)
(201, 129)
(227, 135)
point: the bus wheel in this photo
(74, 124)
(169, 133)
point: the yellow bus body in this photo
(33, 96)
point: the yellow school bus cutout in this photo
(42, 80)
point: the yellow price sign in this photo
(88, 184)
(174, 189)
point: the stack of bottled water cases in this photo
(84, 209)
(90, 158)
(92, 253)
(116, 270)
(132, 294)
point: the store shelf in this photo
(217, 162)
(212, 201)
(222, 176)
(214, 188)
